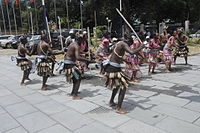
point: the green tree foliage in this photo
(142, 11)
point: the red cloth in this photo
(17, 3)
(32, 1)
(6, 1)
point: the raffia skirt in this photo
(25, 64)
(71, 73)
(44, 69)
(116, 79)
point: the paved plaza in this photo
(162, 103)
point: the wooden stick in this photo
(89, 41)
(129, 25)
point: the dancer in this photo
(44, 68)
(153, 52)
(22, 61)
(72, 73)
(167, 51)
(116, 79)
(182, 50)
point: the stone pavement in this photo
(163, 103)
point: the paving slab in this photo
(177, 112)
(2, 110)
(146, 116)
(51, 107)
(144, 93)
(96, 128)
(197, 122)
(55, 129)
(135, 126)
(71, 119)
(9, 100)
(35, 122)
(173, 125)
(81, 106)
(7, 122)
(24, 91)
(195, 106)
(5, 92)
(20, 109)
(36, 98)
(108, 117)
(170, 100)
(17, 130)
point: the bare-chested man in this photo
(22, 61)
(182, 50)
(116, 79)
(72, 72)
(43, 65)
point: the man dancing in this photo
(116, 79)
(42, 62)
(22, 61)
(182, 50)
(72, 73)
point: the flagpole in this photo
(67, 8)
(36, 15)
(81, 14)
(15, 19)
(44, 15)
(4, 23)
(46, 20)
(8, 18)
(60, 28)
(32, 23)
(20, 11)
(28, 18)
(55, 11)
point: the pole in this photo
(0, 31)
(20, 10)
(120, 8)
(36, 17)
(4, 23)
(95, 18)
(28, 19)
(81, 14)
(129, 25)
(15, 19)
(89, 42)
(48, 30)
(55, 12)
(110, 27)
(60, 28)
(8, 19)
(67, 8)
(32, 23)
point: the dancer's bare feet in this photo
(120, 111)
(167, 71)
(76, 97)
(44, 88)
(23, 84)
(136, 80)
